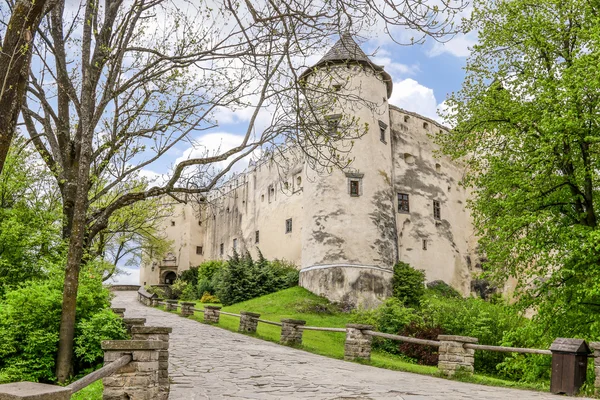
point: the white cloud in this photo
(128, 276)
(412, 96)
(212, 144)
(394, 68)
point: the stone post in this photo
(212, 314)
(595, 346)
(119, 311)
(161, 334)
(171, 305)
(358, 343)
(130, 322)
(248, 321)
(453, 356)
(154, 302)
(139, 379)
(291, 331)
(186, 308)
(33, 391)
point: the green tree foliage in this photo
(527, 125)
(29, 324)
(243, 278)
(408, 284)
(29, 211)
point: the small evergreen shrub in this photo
(408, 284)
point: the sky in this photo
(423, 76)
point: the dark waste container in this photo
(569, 365)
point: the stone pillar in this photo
(212, 314)
(162, 334)
(358, 343)
(130, 322)
(119, 311)
(137, 380)
(171, 305)
(453, 356)
(248, 321)
(158, 300)
(33, 391)
(595, 346)
(154, 301)
(186, 309)
(291, 331)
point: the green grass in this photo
(299, 303)
(92, 392)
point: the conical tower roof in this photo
(346, 50)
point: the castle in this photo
(397, 200)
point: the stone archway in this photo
(169, 277)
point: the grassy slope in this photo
(298, 303)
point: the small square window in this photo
(256, 237)
(436, 210)
(406, 118)
(199, 250)
(199, 223)
(403, 206)
(333, 124)
(235, 244)
(425, 125)
(172, 223)
(221, 249)
(424, 244)
(288, 225)
(354, 187)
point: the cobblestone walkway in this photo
(212, 363)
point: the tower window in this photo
(333, 124)
(199, 223)
(262, 197)
(235, 244)
(403, 206)
(406, 118)
(299, 181)
(424, 244)
(221, 249)
(172, 223)
(354, 187)
(288, 225)
(199, 250)
(382, 129)
(256, 237)
(438, 168)
(425, 125)
(436, 210)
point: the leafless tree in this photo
(115, 85)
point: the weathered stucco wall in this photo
(427, 177)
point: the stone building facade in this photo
(397, 200)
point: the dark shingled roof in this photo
(347, 50)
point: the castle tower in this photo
(349, 239)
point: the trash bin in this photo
(569, 365)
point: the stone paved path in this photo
(212, 363)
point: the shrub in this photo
(391, 317)
(208, 276)
(442, 289)
(161, 293)
(190, 276)
(242, 278)
(29, 324)
(177, 288)
(209, 298)
(103, 325)
(425, 355)
(408, 284)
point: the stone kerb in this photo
(358, 343)
(33, 391)
(595, 346)
(119, 311)
(453, 356)
(186, 308)
(171, 305)
(140, 378)
(161, 334)
(212, 314)
(291, 332)
(248, 321)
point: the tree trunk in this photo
(15, 59)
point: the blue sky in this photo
(423, 76)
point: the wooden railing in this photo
(103, 372)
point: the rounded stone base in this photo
(363, 286)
